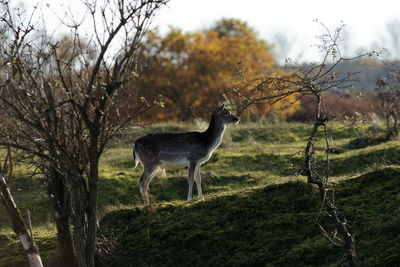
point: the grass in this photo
(270, 224)
(257, 209)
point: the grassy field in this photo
(257, 209)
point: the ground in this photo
(257, 208)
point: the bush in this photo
(349, 105)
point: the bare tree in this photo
(316, 80)
(63, 101)
(388, 92)
(389, 101)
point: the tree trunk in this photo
(79, 219)
(64, 238)
(19, 226)
(84, 192)
(93, 190)
(84, 203)
(60, 198)
(314, 178)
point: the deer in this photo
(167, 150)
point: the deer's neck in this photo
(214, 133)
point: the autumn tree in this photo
(60, 98)
(189, 70)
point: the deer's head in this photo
(221, 113)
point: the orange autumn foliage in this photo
(188, 71)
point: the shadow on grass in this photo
(363, 160)
(363, 142)
(225, 230)
(267, 225)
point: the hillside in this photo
(259, 226)
(257, 210)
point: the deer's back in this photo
(162, 146)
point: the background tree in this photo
(61, 99)
(388, 93)
(190, 70)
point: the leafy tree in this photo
(190, 70)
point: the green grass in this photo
(272, 224)
(257, 210)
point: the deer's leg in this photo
(144, 181)
(191, 170)
(197, 179)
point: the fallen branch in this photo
(19, 226)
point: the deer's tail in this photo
(135, 156)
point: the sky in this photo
(366, 21)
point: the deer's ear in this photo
(219, 106)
